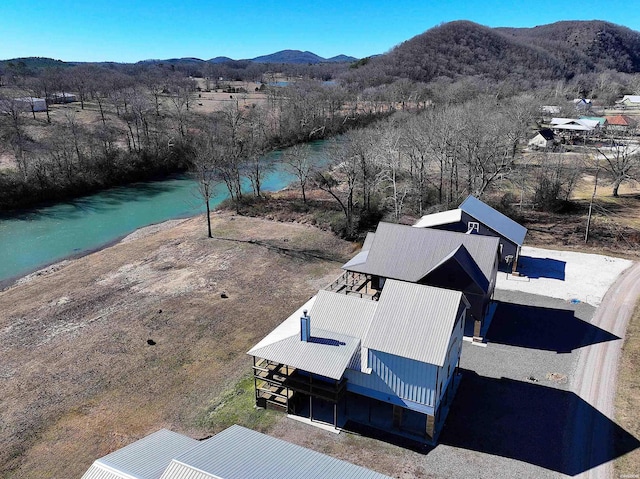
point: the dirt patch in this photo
(102, 350)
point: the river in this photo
(41, 236)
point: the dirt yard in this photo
(145, 334)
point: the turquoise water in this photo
(48, 234)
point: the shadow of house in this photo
(529, 423)
(543, 328)
(542, 268)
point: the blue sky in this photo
(132, 30)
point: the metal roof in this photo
(146, 458)
(414, 321)
(240, 453)
(327, 353)
(464, 259)
(409, 254)
(501, 224)
(437, 219)
(338, 322)
(343, 314)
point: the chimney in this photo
(305, 327)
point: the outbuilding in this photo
(544, 139)
(32, 104)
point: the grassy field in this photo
(115, 345)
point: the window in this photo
(473, 226)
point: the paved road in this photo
(596, 377)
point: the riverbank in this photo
(103, 349)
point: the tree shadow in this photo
(542, 268)
(543, 328)
(532, 423)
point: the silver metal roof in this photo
(146, 458)
(414, 321)
(343, 314)
(338, 322)
(437, 219)
(501, 224)
(327, 353)
(409, 254)
(240, 453)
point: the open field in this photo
(79, 375)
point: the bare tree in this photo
(621, 162)
(297, 161)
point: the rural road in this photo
(591, 440)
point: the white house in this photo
(630, 100)
(396, 357)
(543, 139)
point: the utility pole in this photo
(593, 195)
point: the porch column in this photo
(477, 326)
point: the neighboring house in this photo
(582, 104)
(31, 104)
(235, 453)
(389, 363)
(602, 121)
(630, 100)
(575, 125)
(476, 217)
(620, 123)
(543, 139)
(444, 259)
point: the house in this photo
(630, 100)
(602, 121)
(390, 363)
(235, 453)
(620, 123)
(575, 125)
(543, 139)
(582, 104)
(444, 259)
(475, 216)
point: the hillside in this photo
(556, 51)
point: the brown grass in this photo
(628, 395)
(78, 377)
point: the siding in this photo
(396, 376)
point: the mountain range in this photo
(556, 51)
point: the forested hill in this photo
(556, 51)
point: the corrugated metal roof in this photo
(146, 458)
(367, 241)
(437, 219)
(407, 253)
(327, 353)
(414, 321)
(343, 314)
(495, 220)
(240, 453)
